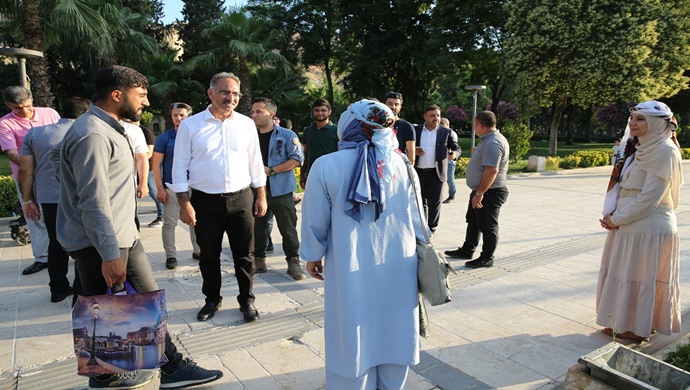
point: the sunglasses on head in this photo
(394, 95)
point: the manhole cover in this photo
(192, 276)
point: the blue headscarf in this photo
(366, 126)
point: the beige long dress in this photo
(638, 287)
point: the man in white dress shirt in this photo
(220, 149)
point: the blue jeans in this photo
(153, 193)
(452, 189)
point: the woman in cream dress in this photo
(638, 290)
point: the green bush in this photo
(518, 136)
(679, 357)
(587, 159)
(8, 196)
(552, 163)
(461, 167)
(296, 172)
(685, 153)
(570, 162)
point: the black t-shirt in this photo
(264, 139)
(150, 140)
(404, 131)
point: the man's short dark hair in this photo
(271, 106)
(16, 94)
(321, 103)
(432, 107)
(394, 95)
(486, 119)
(74, 106)
(118, 77)
(286, 123)
(181, 105)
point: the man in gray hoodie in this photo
(97, 209)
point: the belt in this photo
(426, 169)
(626, 192)
(224, 194)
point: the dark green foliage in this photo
(679, 357)
(8, 196)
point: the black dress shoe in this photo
(459, 254)
(209, 310)
(61, 296)
(196, 256)
(171, 263)
(250, 312)
(480, 263)
(35, 267)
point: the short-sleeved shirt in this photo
(150, 140)
(492, 151)
(135, 136)
(38, 143)
(404, 131)
(319, 142)
(165, 145)
(13, 129)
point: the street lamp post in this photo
(475, 89)
(21, 55)
(92, 360)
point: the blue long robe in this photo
(370, 268)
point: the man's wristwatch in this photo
(271, 172)
(478, 194)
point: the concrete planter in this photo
(624, 368)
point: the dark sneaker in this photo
(480, 263)
(295, 270)
(158, 222)
(250, 312)
(188, 374)
(448, 200)
(171, 263)
(127, 380)
(459, 254)
(270, 248)
(260, 265)
(196, 256)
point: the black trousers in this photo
(283, 207)
(431, 187)
(484, 221)
(139, 274)
(58, 259)
(231, 214)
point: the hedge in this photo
(587, 159)
(8, 196)
(685, 153)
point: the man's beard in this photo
(128, 111)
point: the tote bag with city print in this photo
(115, 333)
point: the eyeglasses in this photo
(394, 95)
(224, 94)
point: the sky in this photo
(173, 8)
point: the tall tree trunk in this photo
(588, 124)
(329, 52)
(37, 69)
(569, 124)
(245, 105)
(558, 109)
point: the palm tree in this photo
(238, 37)
(169, 84)
(97, 32)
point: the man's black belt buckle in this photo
(229, 194)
